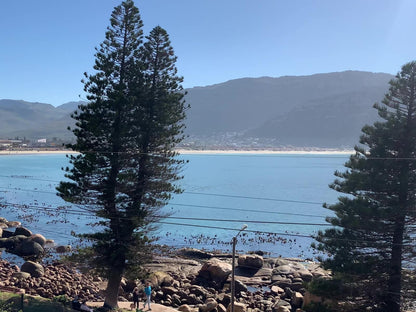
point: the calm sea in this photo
(278, 196)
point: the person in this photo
(84, 307)
(135, 298)
(148, 293)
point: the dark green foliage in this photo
(374, 222)
(127, 168)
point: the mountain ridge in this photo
(319, 110)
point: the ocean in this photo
(278, 196)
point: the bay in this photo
(278, 196)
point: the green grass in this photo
(10, 302)
(13, 303)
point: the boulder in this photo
(160, 278)
(7, 234)
(13, 224)
(251, 261)
(215, 270)
(21, 275)
(12, 242)
(29, 248)
(284, 269)
(185, 308)
(239, 286)
(33, 268)
(195, 253)
(276, 290)
(38, 238)
(63, 248)
(210, 305)
(221, 308)
(22, 231)
(238, 307)
(281, 306)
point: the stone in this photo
(21, 275)
(33, 268)
(169, 290)
(22, 231)
(240, 286)
(195, 253)
(160, 278)
(63, 248)
(29, 248)
(283, 269)
(210, 305)
(251, 261)
(38, 238)
(281, 306)
(238, 307)
(215, 270)
(185, 308)
(284, 283)
(277, 290)
(13, 224)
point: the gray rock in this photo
(209, 305)
(215, 270)
(29, 248)
(22, 231)
(33, 268)
(185, 308)
(250, 261)
(38, 238)
(21, 275)
(63, 249)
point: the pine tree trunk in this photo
(111, 293)
(395, 278)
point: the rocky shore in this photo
(186, 279)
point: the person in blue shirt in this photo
(148, 293)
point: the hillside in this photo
(322, 110)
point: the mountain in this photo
(322, 110)
(34, 120)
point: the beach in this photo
(196, 152)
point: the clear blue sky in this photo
(46, 45)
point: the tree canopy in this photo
(126, 168)
(370, 246)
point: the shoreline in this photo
(200, 152)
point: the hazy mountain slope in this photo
(249, 103)
(32, 120)
(322, 110)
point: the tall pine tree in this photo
(127, 168)
(375, 221)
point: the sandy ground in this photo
(126, 305)
(202, 152)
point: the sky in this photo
(47, 45)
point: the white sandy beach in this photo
(202, 152)
(311, 152)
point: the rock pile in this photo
(191, 280)
(274, 284)
(48, 281)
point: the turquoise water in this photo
(268, 192)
